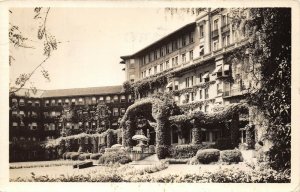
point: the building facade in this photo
(46, 115)
(201, 73)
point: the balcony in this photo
(215, 33)
(225, 28)
(235, 92)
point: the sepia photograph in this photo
(150, 94)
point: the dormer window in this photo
(22, 102)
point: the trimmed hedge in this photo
(69, 154)
(75, 155)
(84, 156)
(207, 156)
(185, 151)
(231, 156)
(95, 156)
(114, 157)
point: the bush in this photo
(178, 161)
(114, 157)
(75, 155)
(84, 156)
(231, 156)
(162, 151)
(223, 144)
(95, 156)
(185, 151)
(207, 156)
(113, 150)
(68, 155)
(64, 156)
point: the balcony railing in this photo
(234, 92)
(215, 33)
(225, 28)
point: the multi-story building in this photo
(197, 61)
(48, 114)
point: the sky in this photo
(92, 41)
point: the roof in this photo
(25, 92)
(165, 38)
(83, 91)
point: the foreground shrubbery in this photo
(185, 151)
(114, 157)
(222, 175)
(231, 156)
(207, 156)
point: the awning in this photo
(205, 76)
(226, 67)
(169, 85)
(80, 100)
(59, 101)
(218, 69)
(47, 101)
(101, 98)
(73, 100)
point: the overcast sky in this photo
(93, 39)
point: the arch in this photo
(153, 109)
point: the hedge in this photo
(75, 155)
(95, 156)
(231, 156)
(185, 151)
(84, 156)
(207, 156)
(114, 157)
(162, 151)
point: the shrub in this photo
(84, 156)
(68, 155)
(162, 151)
(178, 161)
(223, 144)
(64, 156)
(114, 157)
(113, 149)
(207, 156)
(231, 156)
(95, 156)
(75, 155)
(184, 151)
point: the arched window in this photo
(94, 100)
(67, 101)
(108, 99)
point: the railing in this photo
(215, 33)
(225, 28)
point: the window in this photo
(149, 71)
(22, 102)
(73, 101)
(183, 41)
(192, 96)
(176, 60)
(123, 99)
(216, 45)
(59, 102)
(15, 124)
(33, 114)
(33, 126)
(167, 49)
(37, 103)
(151, 56)
(155, 54)
(205, 77)
(201, 53)
(206, 108)
(174, 45)
(80, 101)
(52, 102)
(191, 55)
(129, 98)
(191, 37)
(201, 29)
(14, 113)
(219, 88)
(116, 98)
(187, 82)
(200, 94)
(167, 64)
(123, 111)
(183, 56)
(161, 67)
(161, 52)
(108, 99)
(155, 69)
(46, 114)
(200, 78)
(46, 103)
(94, 100)
(52, 127)
(216, 24)
(67, 101)
(29, 103)
(101, 99)
(115, 112)
(173, 62)
(192, 80)
(14, 101)
(225, 40)
(224, 20)
(53, 113)
(132, 77)
(206, 93)
(176, 85)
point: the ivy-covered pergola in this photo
(152, 108)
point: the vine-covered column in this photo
(196, 136)
(162, 144)
(128, 133)
(234, 130)
(250, 136)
